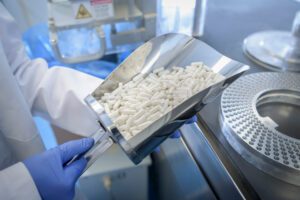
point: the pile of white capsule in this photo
(138, 103)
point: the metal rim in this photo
(254, 137)
(254, 49)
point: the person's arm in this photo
(16, 183)
(57, 93)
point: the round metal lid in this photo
(257, 138)
(274, 50)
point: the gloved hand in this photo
(52, 178)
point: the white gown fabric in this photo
(29, 87)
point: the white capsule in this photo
(145, 95)
(140, 120)
(114, 114)
(153, 117)
(117, 105)
(121, 119)
(128, 111)
(154, 110)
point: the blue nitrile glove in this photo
(52, 178)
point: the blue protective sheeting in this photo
(36, 40)
(37, 44)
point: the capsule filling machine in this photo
(106, 26)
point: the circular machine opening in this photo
(283, 107)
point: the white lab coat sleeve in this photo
(16, 183)
(57, 93)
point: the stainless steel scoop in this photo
(164, 51)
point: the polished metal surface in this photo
(167, 50)
(265, 141)
(276, 50)
(202, 152)
(273, 50)
(199, 18)
(177, 175)
(283, 107)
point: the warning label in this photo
(83, 12)
(103, 8)
(92, 9)
(101, 1)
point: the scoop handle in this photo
(102, 142)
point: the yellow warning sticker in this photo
(83, 12)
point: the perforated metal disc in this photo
(255, 137)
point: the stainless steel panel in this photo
(177, 175)
(220, 180)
